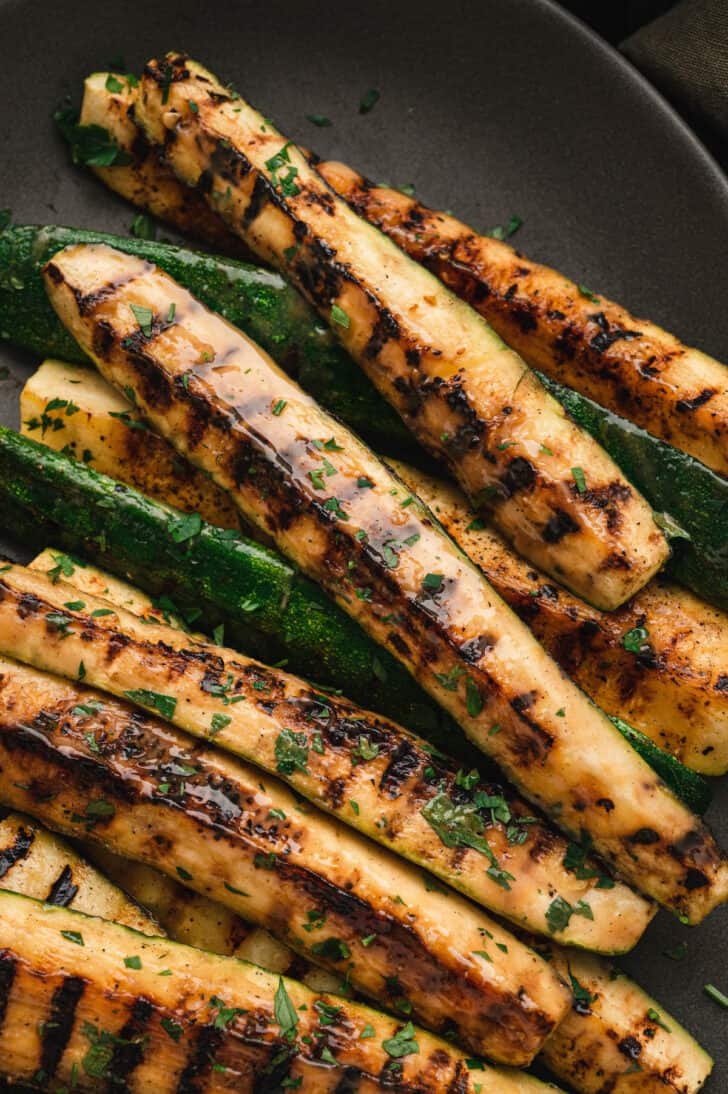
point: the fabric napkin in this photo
(684, 53)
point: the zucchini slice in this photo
(577, 338)
(39, 864)
(674, 695)
(80, 1009)
(92, 767)
(682, 490)
(470, 400)
(372, 775)
(331, 506)
(618, 1039)
(659, 661)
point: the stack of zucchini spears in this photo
(214, 461)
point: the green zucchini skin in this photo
(263, 305)
(675, 483)
(257, 301)
(46, 497)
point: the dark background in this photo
(616, 20)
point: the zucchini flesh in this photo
(618, 1039)
(369, 773)
(150, 793)
(656, 694)
(372, 775)
(693, 497)
(267, 309)
(258, 301)
(41, 865)
(185, 1014)
(384, 560)
(584, 341)
(674, 691)
(469, 399)
(265, 605)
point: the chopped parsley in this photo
(582, 995)
(186, 527)
(165, 705)
(473, 698)
(283, 174)
(340, 317)
(433, 582)
(90, 144)
(133, 962)
(285, 1013)
(403, 1043)
(716, 995)
(143, 227)
(320, 120)
(144, 317)
(73, 936)
(584, 291)
(225, 1015)
(579, 479)
(656, 1017)
(462, 826)
(219, 721)
(291, 751)
(334, 949)
(369, 100)
(506, 231)
(559, 913)
(171, 1028)
(637, 640)
(279, 406)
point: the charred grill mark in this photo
(62, 891)
(59, 1025)
(687, 405)
(474, 649)
(129, 1048)
(558, 525)
(349, 1083)
(405, 760)
(270, 1078)
(199, 1065)
(18, 850)
(8, 968)
(519, 475)
(258, 200)
(385, 329)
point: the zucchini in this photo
(692, 499)
(41, 865)
(674, 689)
(369, 773)
(264, 604)
(618, 1039)
(577, 338)
(92, 767)
(263, 306)
(76, 1014)
(470, 400)
(256, 300)
(655, 693)
(351, 525)
(31, 855)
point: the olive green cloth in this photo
(684, 53)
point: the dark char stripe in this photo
(7, 975)
(129, 1047)
(198, 1066)
(16, 852)
(59, 1026)
(278, 1068)
(62, 890)
(349, 1081)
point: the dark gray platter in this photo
(490, 108)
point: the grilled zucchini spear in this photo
(43, 866)
(349, 523)
(674, 689)
(90, 766)
(473, 402)
(580, 339)
(659, 661)
(370, 773)
(585, 1049)
(96, 1006)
